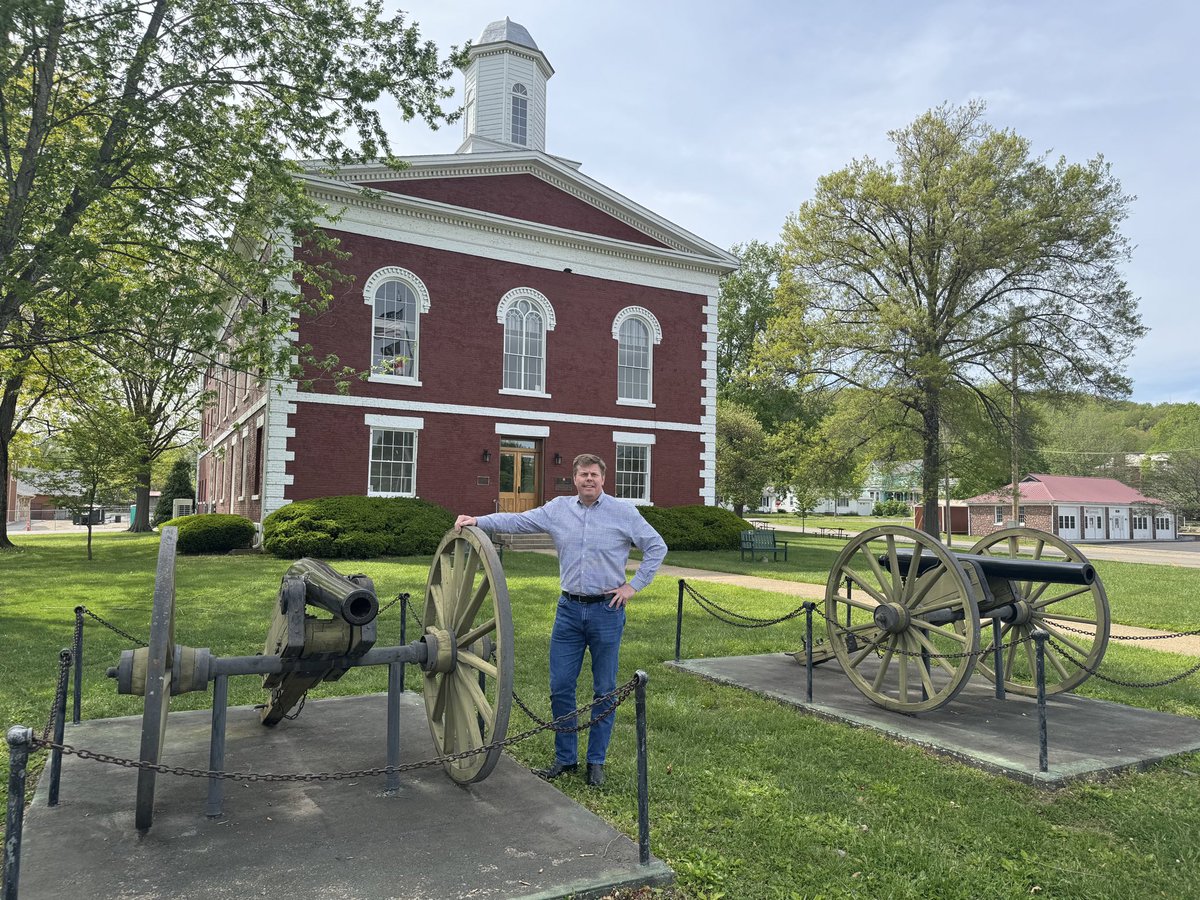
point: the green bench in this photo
(761, 541)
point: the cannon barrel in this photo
(341, 595)
(1050, 570)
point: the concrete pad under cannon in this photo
(512, 835)
(1087, 738)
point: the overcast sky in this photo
(721, 116)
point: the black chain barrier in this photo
(1165, 636)
(60, 694)
(618, 695)
(1130, 684)
(111, 627)
(746, 621)
(875, 645)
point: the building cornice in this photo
(547, 168)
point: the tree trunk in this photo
(930, 464)
(141, 520)
(738, 509)
(8, 413)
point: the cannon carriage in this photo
(904, 614)
(465, 652)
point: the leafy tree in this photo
(745, 306)
(88, 461)
(178, 487)
(930, 273)
(161, 136)
(743, 460)
(1172, 468)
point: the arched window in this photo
(397, 298)
(520, 115)
(636, 331)
(526, 315)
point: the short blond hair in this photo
(588, 459)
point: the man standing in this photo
(593, 533)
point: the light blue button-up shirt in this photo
(593, 542)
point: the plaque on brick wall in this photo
(564, 485)
(483, 479)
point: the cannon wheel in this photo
(1080, 607)
(933, 611)
(468, 705)
(158, 676)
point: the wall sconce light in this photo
(558, 459)
(487, 456)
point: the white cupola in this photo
(504, 105)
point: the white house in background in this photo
(1076, 509)
(885, 481)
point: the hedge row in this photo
(696, 527)
(356, 527)
(212, 533)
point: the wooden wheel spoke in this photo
(1037, 551)
(863, 653)
(877, 571)
(934, 653)
(465, 575)
(1012, 655)
(940, 630)
(954, 602)
(884, 663)
(857, 604)
(911, 579)
(1031, 595)
(870, 589)
(926, 681)
(925, 581)
(1063, 638)
(478, 698)
(894, 565)
(1052, 656)
(1063, 617)
(467, 658)
(466, 640)
(447, 719)
(470, 608)
(903, 673)
(438, 596)
(1031, 658)
(1082, 589)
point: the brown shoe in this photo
(595, 774)
(555, 770)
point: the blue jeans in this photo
(577, 627)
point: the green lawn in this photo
(1151, 596)
(749, 799)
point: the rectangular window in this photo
(633, 472)
(520, 120)
(1141, 522)
(258, 460)
(245, 467)
(1162, 523)
(999, 515)
(1066, 523)
(393, 462)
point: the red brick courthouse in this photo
(512, 313)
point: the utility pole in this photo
(1016, 465)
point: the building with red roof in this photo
(1077, 509)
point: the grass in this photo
(1152, 596)
(749, 799)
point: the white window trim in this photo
(641, 441)
(634, 437)
(549, 320)
(378, 277)
(393, 423)
(516, 429)
(517, 392)
(654, 329)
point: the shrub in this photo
(212, 533)
(696, 527)
(178, 487)
(892, 508)
(356, 527)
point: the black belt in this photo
(587, 598)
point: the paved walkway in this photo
(1189, 645)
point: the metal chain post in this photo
(679, 620)
(78, 647)
(20, 743)
(809, 606)
(1039, 640)
(643, 770)
(58, 724)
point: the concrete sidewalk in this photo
(512, 835)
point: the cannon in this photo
(903, 614)
(465, 652)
